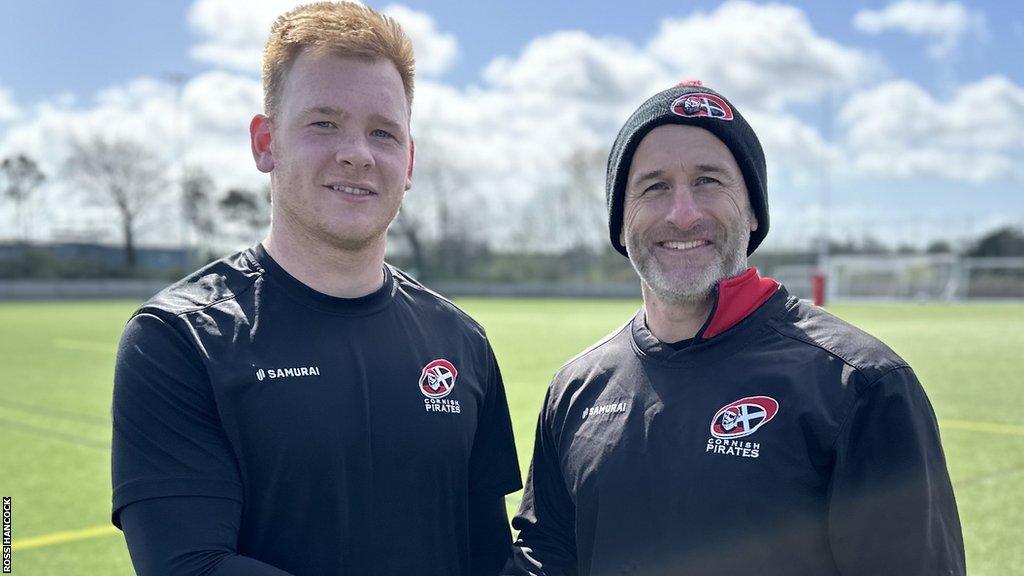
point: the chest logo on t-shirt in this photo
(437, 380)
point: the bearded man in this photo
(728, 427)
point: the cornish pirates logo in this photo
(701, 104)
(743, 417)
(438, 379)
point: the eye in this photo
(383, 134)
(323, 124)
(655, 187)
(706, 180)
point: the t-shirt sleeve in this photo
(493, 465)
(891, 508)
(167, 435)
(546, 544)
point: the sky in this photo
(901, 120)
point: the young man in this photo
(728, 428)
(301, 407)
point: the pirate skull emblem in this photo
(729, 419)
(692, 106)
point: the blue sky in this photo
(82, 47)
(84, 63)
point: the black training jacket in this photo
(782, 441)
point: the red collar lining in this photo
(738, 297)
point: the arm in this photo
(489, 534)
(547, 516)
(177, 490)
(891, 507)
(493, 472)
(188, 536)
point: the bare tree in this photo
(249, 208)
(439, 215)
(582, 209)
(21, 177)
(121, 173)
(199, 210)
(569, 211)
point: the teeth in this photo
(684, 245)
(351, 190)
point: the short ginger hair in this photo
(338, 28)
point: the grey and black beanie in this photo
(692, 104)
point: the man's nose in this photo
(684, 212)
(354, 151)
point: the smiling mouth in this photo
(351, 190)
(680, 246)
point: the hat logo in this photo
(701, 104)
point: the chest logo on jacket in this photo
(737, 420)
(437, 380)
(743, 417)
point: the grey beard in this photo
(734, 262)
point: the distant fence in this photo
(848, 278)
(143, 289)
(79, 289)
(943, 277)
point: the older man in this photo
(727, 428)
(301, 407)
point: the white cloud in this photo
(435, 50)
(898, 130)
(578, 66)
(234, 33)
(945, 24)
(8, 109)
(766, 56)
(505, 141)
(569, 90)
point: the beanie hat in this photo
(692, 104)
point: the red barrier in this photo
(818, 288)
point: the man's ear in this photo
(259, 137)
(412, 163)
(753, 222)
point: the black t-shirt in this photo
(352, 431)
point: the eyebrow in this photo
(387, 122)
(325, 110)
(702, 168)
(648, 176)
(713, 168)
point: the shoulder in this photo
(433, 306)
(816, 328)
(218, 281)
(600, 361)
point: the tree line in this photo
(440, 234)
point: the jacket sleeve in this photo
(891, 508)
(546, 520)
(188, 536)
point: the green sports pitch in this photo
(56, 361)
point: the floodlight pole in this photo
(820, 280)
(178, 79)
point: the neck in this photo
(326, 268)
(671, 322)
